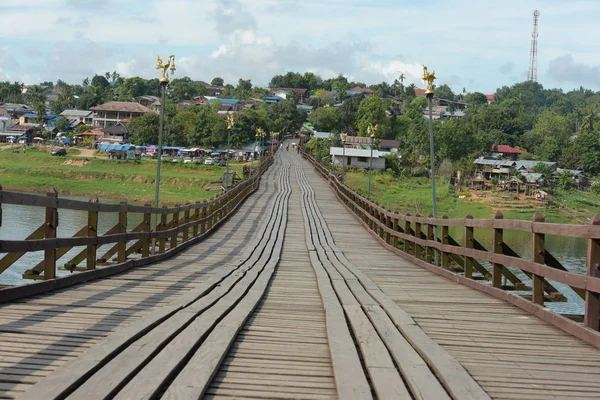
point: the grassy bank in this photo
(413, 195)
(35, 171)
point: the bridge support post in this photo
(445, 259)
(418, 231)
(92, 231)
(429, 250)
(592, 300)
(50, 233)
(469, 244)
(539, 254)
(175, 224)
(121, 246)
(497, 244)
(147, 228)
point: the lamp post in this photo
(164, 81)
(372, 130)
(230, 123)
(260, 133)
(344, 154)
(429, 78)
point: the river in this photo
(20, 221)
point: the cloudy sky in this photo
(477, 45)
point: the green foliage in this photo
(326, 119)
(565, 180)
(144, 130)
(217, 81)
(372, 111)
(595, 187)
(82, 128)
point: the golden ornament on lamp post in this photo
(164, 81)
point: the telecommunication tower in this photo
(532, 73)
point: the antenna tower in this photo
(532, 73)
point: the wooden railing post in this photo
(430, 237)
(538, 253)
(122, 244)
(196, 219)
(497, 244)
(389, 223)
(395, 226)
(406, 247)
(592, 300)
(50, 233)
(162, 242)
(147, 228)
(418, 247)
(175, 224)
(203, 215)
(186, 219)
(445, 259)
(92, 231)
(469, 244)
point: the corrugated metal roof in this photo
(496, 163)
(529, 164)
(349, 152)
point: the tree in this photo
(144, 130)
(184, 124)
(372, 111)
(326, 119)
(475, 99)
(444, 92)
(133, 87)
(285, 116)
(61, 125)
(100, 81)
(82, 128)
(217, 81)
(550, 135)
(348, 112)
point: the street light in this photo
(344, 154)
(164, 81)
(230, 123)
(429, 78)
(260, 133)
(372, 131)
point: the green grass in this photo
(37, 171)
(413, 195)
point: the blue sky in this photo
(474, 45)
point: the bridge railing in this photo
(426, 241)
(122, 246)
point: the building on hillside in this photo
(490, 98)
(152, 102)
(365, 91)
(77, 117)
(420, 92)
(115, 134)
(94, 134)
(507, 152)
(273, 99)
(525, 166)
(359, 158)
(115, 112)
(301, 94)
(227, 104)
(494, 168)
(305, 108)
(16, 110)
(388, 145)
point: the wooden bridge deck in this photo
(338, 317)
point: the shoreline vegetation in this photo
(35, 171)
(413, 195)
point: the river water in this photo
(20, 221)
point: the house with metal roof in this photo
(359, 158)
(115, 112)
(529, 165)
(490, 168)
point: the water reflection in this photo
(18, 222)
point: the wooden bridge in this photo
(291, 286)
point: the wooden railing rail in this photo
(412, 237)
(176, 225)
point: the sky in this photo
(473, 45)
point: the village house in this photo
(301, 94)
(360, 158)
(152, 102)
(506, 152)
(115, 112)
(16, 110)
(77, 117)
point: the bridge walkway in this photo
(291, 299)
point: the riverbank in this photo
(413, 195)
(35, 171)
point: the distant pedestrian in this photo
(287, 148)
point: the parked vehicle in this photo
(209, 161)
(222, 162)
(164, 157)
(59, 152)
(197, 160)
(176, 160)
(187, 160)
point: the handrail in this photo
(187, 222)
(412, 237)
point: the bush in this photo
(595, 187)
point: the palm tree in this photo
(589, 119)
